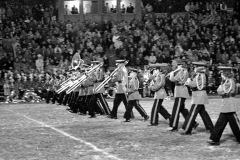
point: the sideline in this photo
(95, 148)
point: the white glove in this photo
(188, 80)
(171, 74)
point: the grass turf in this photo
(47, 131)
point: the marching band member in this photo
(75, 93)
(198, 85)
(181, 93)
(54, 88)
(39, 86)
(86, 97)
(120, 96)
(157, 86)
(67, 96)
(80, 103)
(46, 86)
(92, 103)
(70, 96)
(101, 101)
(62, 94)
(228, 108)
(133, 97)
(50, 81)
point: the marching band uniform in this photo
(199, 99)
(120, 95)
(61, 95)
(92, 105)
(181, 94)
(228, 108)
(79, 104)
(133, 97)
(72, 106)
(85, 99)
(54, 88)
(74, 97)
(67, 97)
(101, 101)
(21, 86)
(160, 93)
(50, 90)
(39, 87)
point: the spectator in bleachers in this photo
(154, 40)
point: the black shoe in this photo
(127, 120)
(196, 125)
(169, 119)
(92, 117)
(173, 130)
(109, 116)
(146, 118)
(186, 134)
(209, 131)
(211, 142)
(150, 125)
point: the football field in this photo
(48, 131)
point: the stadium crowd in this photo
(34, 41)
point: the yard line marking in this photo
(70, 136)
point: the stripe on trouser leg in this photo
(141, 108)
(155, 111)
(100, 106)
(126, 97)
(105, 103)
(177, 112)
(191, 117)
(237, 120)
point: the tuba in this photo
(76, 61)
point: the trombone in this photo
(108, 78)
(83, 78)
(176, 70)
(76, 63)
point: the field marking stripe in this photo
(70, 136)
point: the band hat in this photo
(133, 70)
(158, 65)
(95, 62)
(225, 69)
(120, 61)
(180, 61)
(199, 64)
